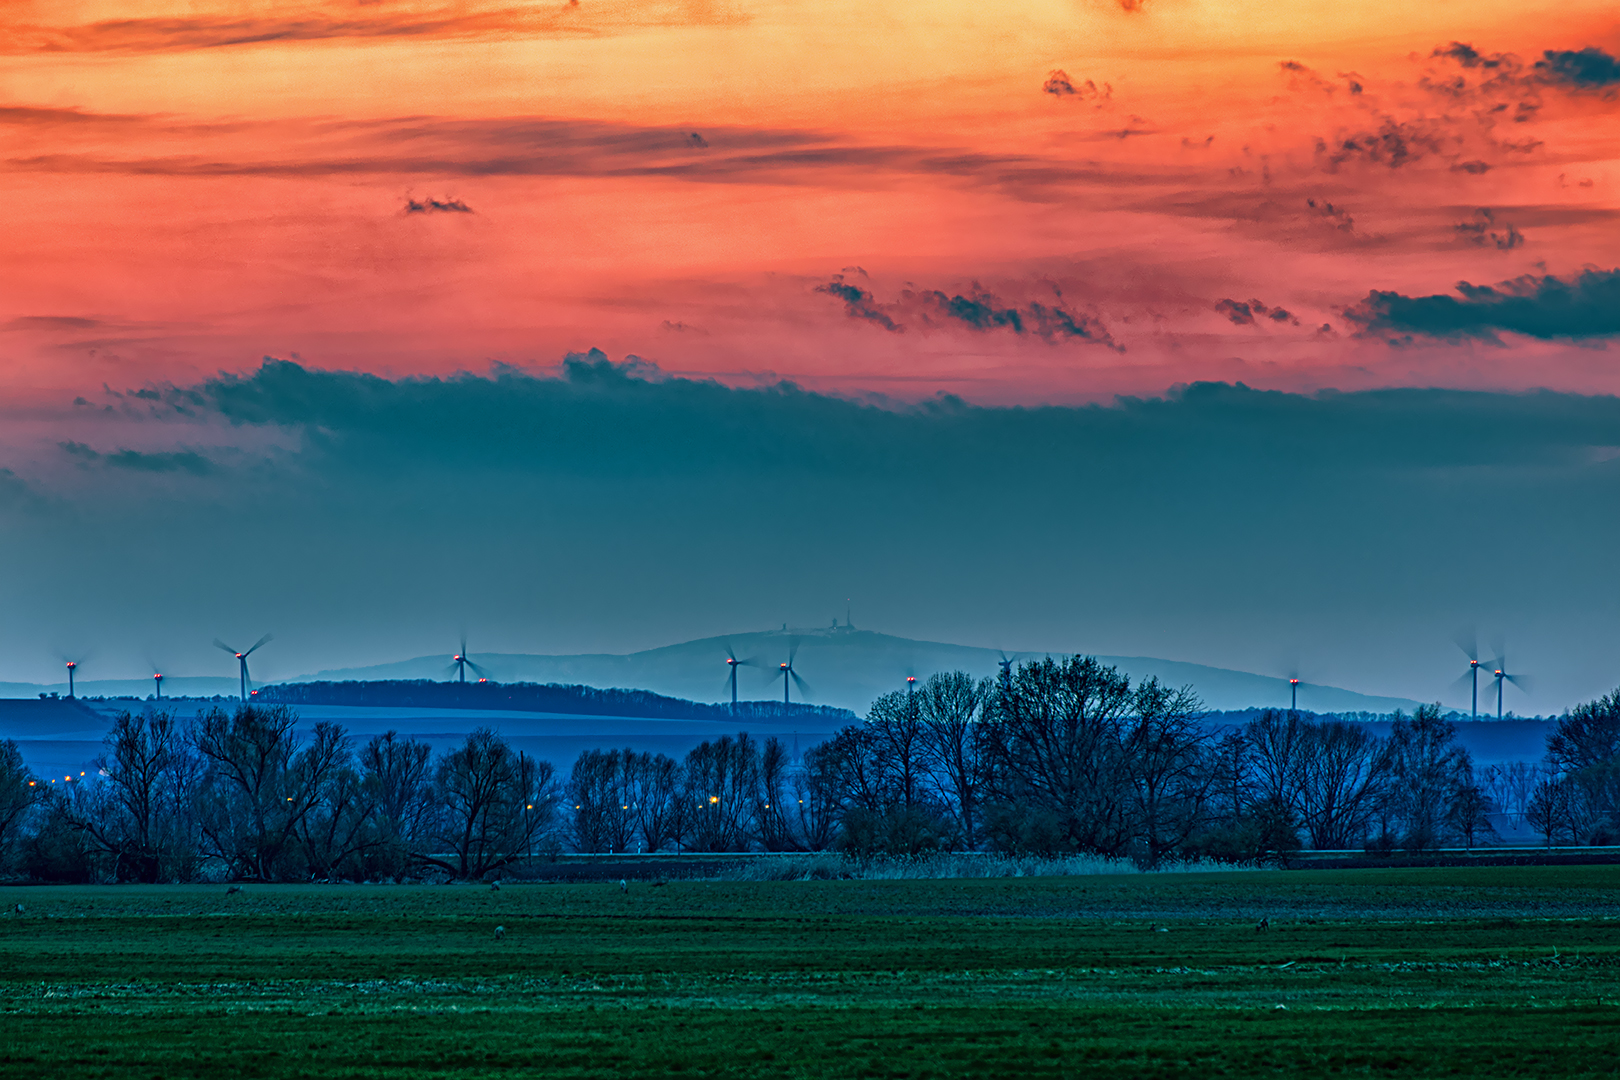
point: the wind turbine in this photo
(789, 673)
(1468, 642)
(241, 660)
(72, 666)
(1500, 672)
(1293, 693)
(733, 663)
(461, 662)
(157, 680)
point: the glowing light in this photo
(714, 799)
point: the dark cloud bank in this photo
(1585, 306)
(610, 507)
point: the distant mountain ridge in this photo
(843, 667)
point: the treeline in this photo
(536, 697)
(1058, 756)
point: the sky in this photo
(1275, 336)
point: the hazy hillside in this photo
(842, 667)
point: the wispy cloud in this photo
(223, 29)
(176, 461)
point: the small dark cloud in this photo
(1394, 144)
(52, 322)
(1338, 215)
(693, 139)
(1483, 230)
(1249, 312)
(1470, 57)
(858, 303)
(1583, 308)
(1058, 84)
(79, 450)
(436, 206)
(1197, 144)
(978, 309)
(1473, 168)
(1582, 69)
(981, 310)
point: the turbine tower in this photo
(1293, 694)
(242, 660)
(733, 663)
(1500, 673)
(1006, 664)
(157, 680)
(1468, 642)
(460, 662)
(789, 674)
(72, 666)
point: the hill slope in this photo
(845, 668)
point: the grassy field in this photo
(1479, 971)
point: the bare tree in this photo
(817, 795)
(1549, 809)
(264, 782)
(775, 821)
(1166, 766)
(722, 787)
(1587, 735)
(141, 814)
(656, 787)
(494, 804)
(1585, 750)
(1342, 775)
(1276, 743)
(398, 774)
(895, 724)
(1470, 811)
(951, 705)
(1056, 753)
(1427, 771)
(20, 793)
(600, 798)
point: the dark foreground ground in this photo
(1478, 971)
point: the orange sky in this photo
(194, 186)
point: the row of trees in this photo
(1057, 756)
(245, 792)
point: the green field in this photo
(1511, 971)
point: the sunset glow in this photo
(1042, 201)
